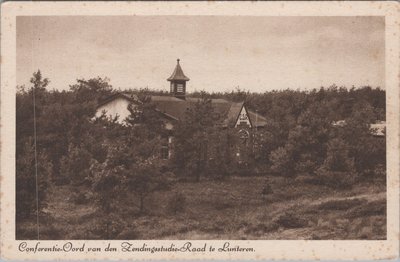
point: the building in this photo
(173, 107)
(377, 129)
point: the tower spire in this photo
(178, 81)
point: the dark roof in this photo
(129, 97)
(178, 74)
(257, 119)
(176, 108)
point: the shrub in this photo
(375, 208)
(308, 179)
(128, 234)
(176, 203)
(75, 165)
(50, 232)
(378, 174)
(336, 179)
(281, 161)
(220, 205)
(338, 169)
(107, 227)
(26, 181)
(290, 220)
(306, 163)
(26, 232)
(261, 228)
(79, 198)
(338, 157)
(341, 204)
(169, 176)
(380, 171)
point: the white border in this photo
(268, 249)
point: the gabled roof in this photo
(178, 74)
(176, 109)
(257, 120)
(130, 97)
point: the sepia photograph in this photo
(174, 127)
(199, 130)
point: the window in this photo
(164, 152)
(179, 88)
(244, 134)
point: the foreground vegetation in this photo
(101, 180)
(231, 209)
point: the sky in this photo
(217, 53)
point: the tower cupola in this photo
(178, 82)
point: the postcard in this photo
(200, 130)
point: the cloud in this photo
(258, 53)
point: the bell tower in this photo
(178, 82)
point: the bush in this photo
(377, 174)
(75, 165)
(50, 232)
(26, 232)
(79, 198)
(337, 179)
(338, 157)
(341, 204)
(220, 205)
(128, 234)
(375, 208)
(168, 178)
(380, 173)
(308, 179)
(106, 227)
(26, 181)
(177, 203)
(261, 229)
(290, 220)
(281, 160)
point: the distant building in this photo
(377, 129)
(174, 106)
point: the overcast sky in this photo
(217, 53)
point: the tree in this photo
(26, 198)
(366, 150)
(194, 138)
(92, 90)
(281, 160)
(338, 157)
(338, 169)
(75, 165)
(32, 166)
(143, 180)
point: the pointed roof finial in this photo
(178, 73)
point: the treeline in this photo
(111, 160)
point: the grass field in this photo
(230, 209)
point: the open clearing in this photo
(229, 209)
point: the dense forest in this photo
(103, 161)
